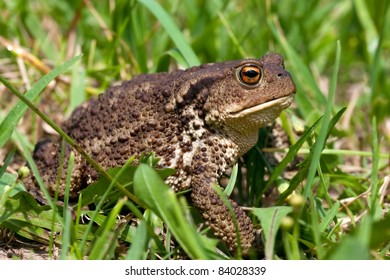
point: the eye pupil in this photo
(250, 75)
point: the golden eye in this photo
(250, 75)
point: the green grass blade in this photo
(22, 209)
(270, 219)
(139, 244)
(299, 67)
(290, 155)
(374, 204)
(68, 179)
(110, 185)
(232, 180)
(228, 204)
(329, 216)
(34, 169)
(77, 88)
(66, 234)
(7, 180)
(350, 249)
(150, 188)
(173, 31)
(356, 245)
(368, 24)
(7, 161)
(319, 145)
(8, 125)
(106, 238)
(320, 141)
(377, 63)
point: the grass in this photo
(334, 206)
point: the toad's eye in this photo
(250, 75)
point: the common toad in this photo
(197, 121)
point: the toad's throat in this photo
(276, 104)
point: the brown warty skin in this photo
(198, 121)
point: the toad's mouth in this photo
(276, 105)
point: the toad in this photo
(198, 121)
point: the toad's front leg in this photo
(217, 214)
